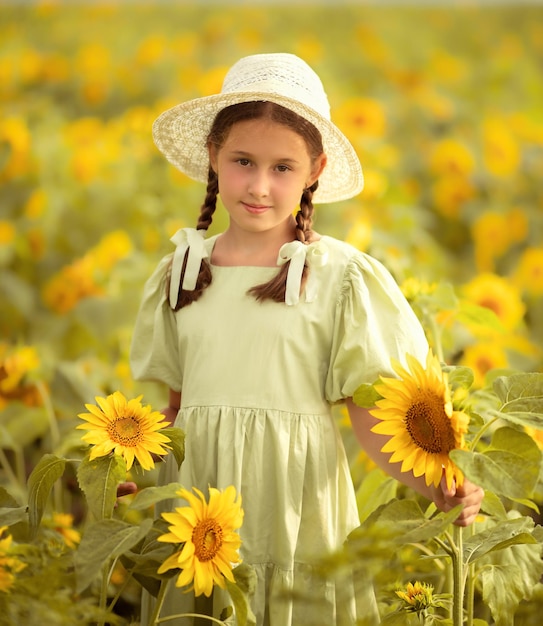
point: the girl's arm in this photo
(174, 402)
(469, 495)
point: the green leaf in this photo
(529, 504)
(499, 472)
(517, 442)
(504, 534)
(470, 313)
(522, 397)
(531, 420)
(476, 422)
(402, 511)
(431, 528)
(509, 467)
(98, 480)
(102, 541)
(400, 617)
(510, 575)
(9, 517)
(148, 562)
(241, 592)
(366, 396)
(151, 495)
(177, 443)
(405, 520)
(376, 489)
(459, 376)
(145, 557)
(40, 482)
(493, 506)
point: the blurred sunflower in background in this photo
(10, 565)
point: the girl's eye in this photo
(283, 168)
(243, 162)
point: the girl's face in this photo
(263, 168)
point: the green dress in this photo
(258, 380)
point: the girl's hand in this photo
(125, 489)
(470, 495)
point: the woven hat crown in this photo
(281, 74)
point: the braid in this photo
(304, 217)
(205, 218)
(210, 201)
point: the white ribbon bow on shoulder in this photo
(299, 254)
(192, 240)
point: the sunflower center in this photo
(207, 539)
(493, 305)
(428, 425)
(125, 430)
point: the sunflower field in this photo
(444, 105)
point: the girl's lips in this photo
(255, 208)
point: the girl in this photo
(259, 330)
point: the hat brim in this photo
(181, 132)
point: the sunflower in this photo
(9, 565)
(416, 411)
(207, 532)
(417, 597)
(483, 357)
(498, 294)
(124, 427)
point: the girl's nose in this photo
(259, 185)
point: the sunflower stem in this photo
(470, 594)
(458, 577)
(121, 588)
(481, 432)
(159, 601)
(103, 593)
(448, 548)
(55, 437)
(470, 586)
(429, 552)
(112, 566)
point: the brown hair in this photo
(226, 118)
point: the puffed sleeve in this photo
(154, 351)
(373, 322)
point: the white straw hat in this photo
(181, 132)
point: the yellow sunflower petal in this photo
(188, 515)
(185, 578)
(203, 580)
(170, 563)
